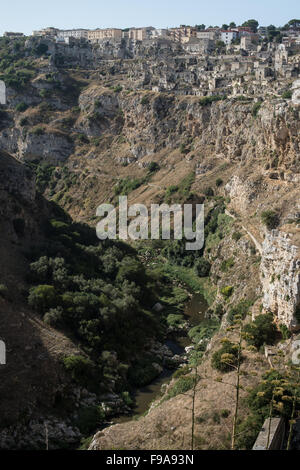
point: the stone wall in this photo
(271, 435)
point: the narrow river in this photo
(194, 312)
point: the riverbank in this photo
(181, 345)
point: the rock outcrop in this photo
(280, 276)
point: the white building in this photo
(228, 36)
(160, 33)
(73, 33)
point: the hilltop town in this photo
(229, 60)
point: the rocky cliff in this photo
(93, 121)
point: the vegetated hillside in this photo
(90, 135)
(76, 316)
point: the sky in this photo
(28, 15)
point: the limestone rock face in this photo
(296, 92)
(241, 192)
(280, 276)
(51, 147)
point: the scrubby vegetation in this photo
(182, 385)
(273, 396)
(256, 107)
(261, 331)
(226, 357)
(98, 293)
(182, 191)
(270, 219)
(239, 310)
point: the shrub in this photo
(227, 264)
(79, 367)
(285, 332)
(184, 149)
(258, 401)
(45, 93)
(256, 108)
(219, 311)
(153, 166)
(174, 320)
(225, 413)
(219, 182)
(225, 359)
(145, 100)
(270, 219)
(83, 139)
(89, 419)
(131, 270)
(236, 236)
(54, 317)
(183, 385)
(127, 185)
(209, 192)
(202, 267)
(247, 431)
(3, 291)
(287, 95)
(261, 331)
(181, 371)
(41, 49)
(21, 107)
(38, 131)
(204, 331)
(24, 122)
(206, 100)
(127, 398)
(227, 291)
(42, 298)
(118, 89)
(240, 310)
(142, 373)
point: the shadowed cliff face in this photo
(33, 375)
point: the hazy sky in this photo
(27, 15)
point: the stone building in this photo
(73, 33)
(140, 34)
(183, 33)
(200, 46)
(10, 34)
(249, 42)
(100, 34)
(207, 34)
(49, 32)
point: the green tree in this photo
(261, 331)
(42, 298)
(253, 24)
